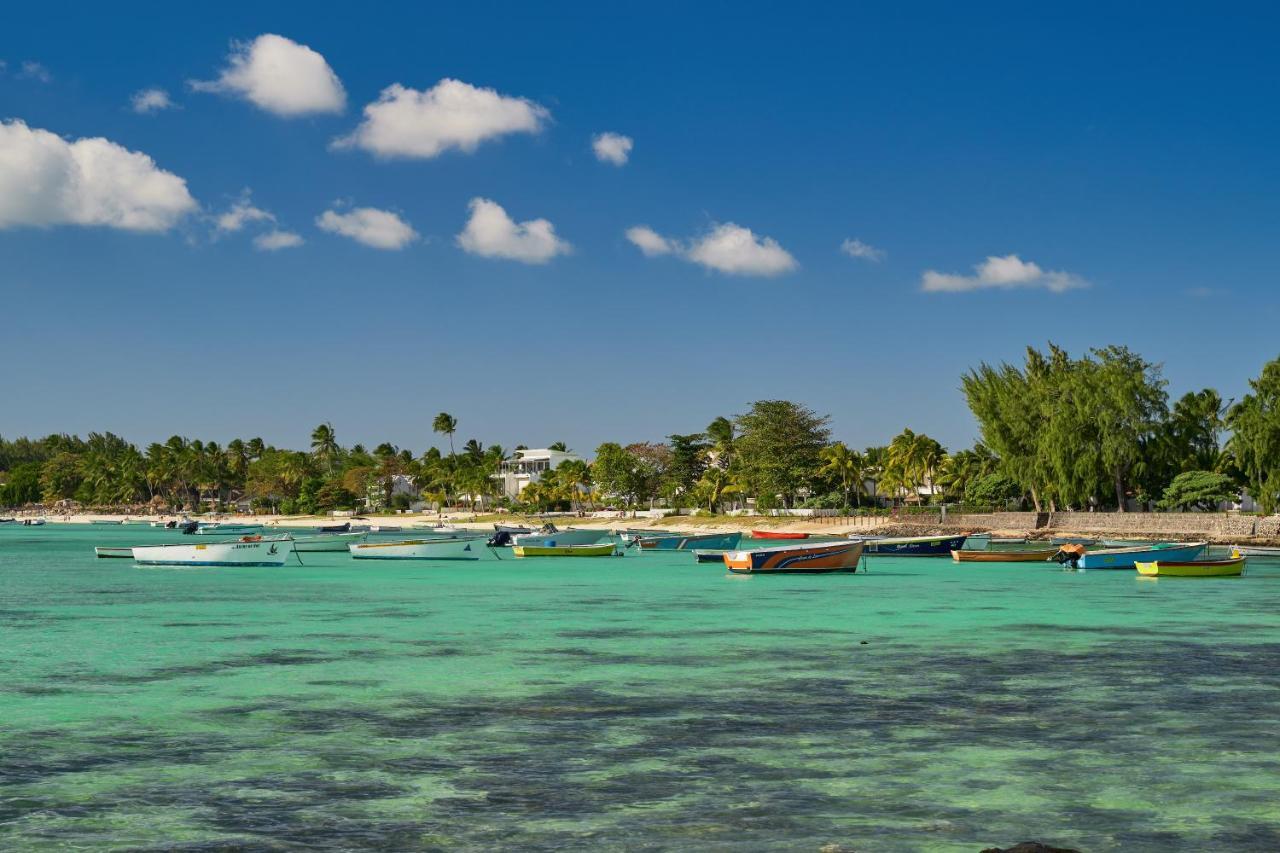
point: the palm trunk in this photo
(1119, 491)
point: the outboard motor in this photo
(501, 539)
(171, 524)
(190, 527)
(1069, 555)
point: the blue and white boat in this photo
(1124, 558)
(692, 542)
(914, 546)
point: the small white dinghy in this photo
(247, 551)
(475, 548)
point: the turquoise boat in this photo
(1125, 558)
(695, 542)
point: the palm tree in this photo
(721, 433)
(560, 446)
(324, 445)
(846, 465)
(445, 424)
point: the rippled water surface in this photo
(644, 702)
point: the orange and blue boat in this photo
(826, 558)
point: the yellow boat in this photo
(606, 549)
(1233, 567)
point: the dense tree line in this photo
(1098, 432)
(1057, 432)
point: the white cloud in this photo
(735, 250)
(241, 213)
(858, 249)
(152, 100)
(280, 76)
(380, 229)
(650, 242)
(491, 233)
(612, 148)
(46, 180)
(1006, 273)
(405, 122)
(35, 71)
(726, 248)
(273, 241)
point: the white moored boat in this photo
(558, 538)
(216, 528)
(423, 549)
(327, 542)
(443, 531)
(253, 552)
(103, 552)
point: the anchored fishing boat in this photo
(705, 541)
(223, 528)
(1127, 558)
(1038, 555)
(603, 549)
(808, 559)
(473, 548)
(1233, 567)
(34, 522)
(777, 534)
(103, 552)
(551, 537)
(327, 542)
(246, 551)
(709, 555)
(916, 546)
(444, 531)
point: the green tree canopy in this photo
(779, 448)
(1202, 490)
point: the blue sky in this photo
(1131, 158)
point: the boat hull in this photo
(1037, 556)
(263, 552)
(702, 541)
(796, 560)
(103, 552)
(606, 549)
(705, 555)
(1127, 558)
(423, 549)
(777, 534)
(916, 546)
(1193, 568)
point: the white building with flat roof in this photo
(528, 466)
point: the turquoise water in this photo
(644, 702)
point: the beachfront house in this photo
(527, 466)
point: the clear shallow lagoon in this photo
(645, 702)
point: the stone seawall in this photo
(1172, 524)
